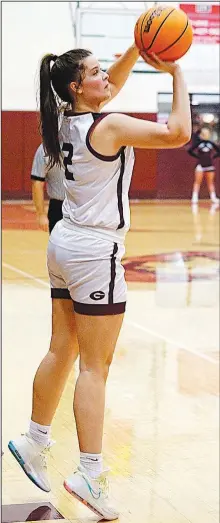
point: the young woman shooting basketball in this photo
(88, 288)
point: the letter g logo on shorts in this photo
(97, 295)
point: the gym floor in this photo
(161, 422)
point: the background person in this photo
(203, 150)
(40, 173)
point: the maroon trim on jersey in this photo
(72, 113)
(113, 274)
(119, 191)
(99, 310)
(97, 118)
(33, 177)
(60, 294)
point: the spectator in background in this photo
(202, 149)
(195, 137)
(55, 190)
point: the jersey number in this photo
(68, 147)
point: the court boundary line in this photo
(26, 274)
(177, 346)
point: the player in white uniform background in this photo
(55, 189)
(85, 248)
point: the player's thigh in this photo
(199, 174)
(99, 300)
(97, 336)
(64, 333)
(210, 176)
(99, 292)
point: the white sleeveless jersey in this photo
(96, 186)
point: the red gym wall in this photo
(157, 174)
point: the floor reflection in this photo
(188, 279)
(30, 512)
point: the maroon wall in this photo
(144, 179)
(12, 153)
(20, 139)
(157, 174)
(175, 174)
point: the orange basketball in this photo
(165, 31)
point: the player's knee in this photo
(63, 346)
(98, 367)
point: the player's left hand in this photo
(43, 222)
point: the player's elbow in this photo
(179, 132)
(185, 132)
(182, 137)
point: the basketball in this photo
(165, 31)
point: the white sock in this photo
(92, 463)
(213, 195)
(40, 433)
(195, 195)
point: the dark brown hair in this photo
(54, 88)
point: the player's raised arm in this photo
(120, 70)
(124, 130)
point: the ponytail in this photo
(54, 88)
(49, 112)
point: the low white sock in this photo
(40, 433)
(92, 463)
(195, 194)
(212, 195)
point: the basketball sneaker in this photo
(31, 456)
(214, 199)
(92, 492)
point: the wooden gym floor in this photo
(161, 424)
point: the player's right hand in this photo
(153, 60)
(43, 222)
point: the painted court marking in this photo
(25, 274)
(176, 345)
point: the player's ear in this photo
(75, 88)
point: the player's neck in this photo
(83, 107)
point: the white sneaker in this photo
(214, 199)
(91, 492)
(31, 456)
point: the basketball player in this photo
(55, 189)
(85, 249)
(204, 148)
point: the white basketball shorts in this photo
(88, 270)
(199, 168)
